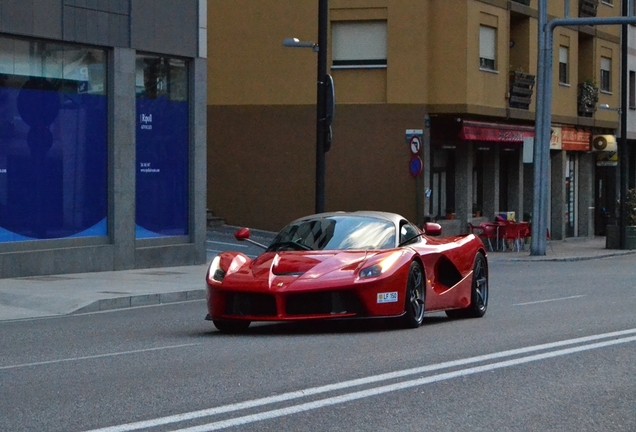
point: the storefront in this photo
(571, 205)
(477, 169)
(102, 144)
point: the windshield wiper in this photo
(291, 244)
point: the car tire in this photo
(231, 326)
(415, 298)
(478, 292)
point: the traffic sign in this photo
(416, 144)
(415, 166)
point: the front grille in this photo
(321, 303)
(250, 304)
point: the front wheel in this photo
(231, 326)
(415, 297)
(478, 294)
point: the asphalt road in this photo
(556, 351)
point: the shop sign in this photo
(556, 138)
(575, 140)
(498, 132)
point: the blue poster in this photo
(53, 160)
(162, 167)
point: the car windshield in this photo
(336, 233)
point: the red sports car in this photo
(349, 265)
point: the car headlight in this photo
(215, 272)
(379, 268)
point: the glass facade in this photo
(162, 147)
(53, 141)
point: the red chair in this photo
(524, 233)
(490, 232)
(512, 234)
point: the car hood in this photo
(273, 270)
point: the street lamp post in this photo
(323, 117)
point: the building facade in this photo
(458, 76)
(102, 135)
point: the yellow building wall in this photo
(247, 63)
(447, 81)
(564, 96)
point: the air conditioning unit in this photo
(603, 143)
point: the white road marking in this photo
(377, 378)
(394, 387)
(96, 356)
(549, 300)
(228, 244)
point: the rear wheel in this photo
(415, 296)
(479, 292)
(231, 326)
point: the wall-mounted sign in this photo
(414, 140)
(556, 138)
(415, 166)
(416, 144)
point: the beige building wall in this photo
(261, 96)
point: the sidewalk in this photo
(41, 296)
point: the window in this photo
(162, 147)
(632, 90)
(563, 65)
(359, 44)
(606, 82)
(53, 141)
(487, 47)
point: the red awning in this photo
(497, 132)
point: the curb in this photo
(141, 300)
(569, 258)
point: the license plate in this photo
(390, 297)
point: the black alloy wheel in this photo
(415, 297)
(231, 326)
(479, 292)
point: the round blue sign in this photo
(415, 166)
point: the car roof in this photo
(387, 216)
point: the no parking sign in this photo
(415, 166)
(414, 140)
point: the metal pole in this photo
(321, 108)
(622, 142)
(539, 228)
(544, 116)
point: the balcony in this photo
(587, 98)
(521, 89)
(523, 2)
(587, 8)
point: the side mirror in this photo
(242, 234)
(432, 229)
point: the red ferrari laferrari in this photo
(349, 265)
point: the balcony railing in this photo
(587, 8)
(587, 97)
(521, 89)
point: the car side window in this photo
(409, 234)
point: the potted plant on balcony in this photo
(587, 98)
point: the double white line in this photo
(581, 344)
